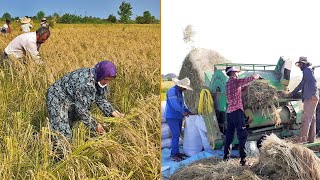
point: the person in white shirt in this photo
(6, 27)
(43, 22)
(25, 27)
(27, 42)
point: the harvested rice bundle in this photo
(261, 95)
(196, 63)
(297, 161)
(214, 168)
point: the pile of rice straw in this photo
(214, 168)
(293, 160)
(195, 64)
(260, 95)
(278, 159)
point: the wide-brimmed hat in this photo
(43, 19)
(303, 60)
(25, 20)
(184, 83)
(232, 69)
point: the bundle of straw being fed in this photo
(260, 95)
(196, 63)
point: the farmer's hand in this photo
(117, 114)
(185, 114)
(290, 94)
(191, 113)
(100, 129)
(315, 98)
(256, 76)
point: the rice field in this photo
(130, 148)
(165, 85)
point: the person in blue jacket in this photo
(175, 111)
(310, 98)
(69, 99)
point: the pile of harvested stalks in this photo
(194, 66)
(295, 160)
(278, 159)
(214, 168)
(260, 95)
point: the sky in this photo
(95, 8)
(246, 31)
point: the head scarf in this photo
(105, 69)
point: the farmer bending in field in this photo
(235, 114)
(175, 111)
(310, 98)
(70, 98)
(27, 42)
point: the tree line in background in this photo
(124, 12)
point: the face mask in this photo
(102, 86)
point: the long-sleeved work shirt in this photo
(175, 106)
(75, 93)
(22, 44)
(233, 92)
(308, 84)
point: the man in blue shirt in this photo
(310, 98)
(175, 111)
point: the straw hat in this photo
(25, 20)
(43, 19)
(303, 60)
(184, 83)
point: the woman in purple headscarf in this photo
(69, 99)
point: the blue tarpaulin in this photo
(169, 167)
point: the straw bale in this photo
(195, 64)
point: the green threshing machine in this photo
(290, 110)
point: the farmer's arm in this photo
(173, 99)
(245, 81)
(185, 108)
(104, 105)
(32, 49)
(299, 87)
(82, 94)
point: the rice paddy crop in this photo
(130, 148)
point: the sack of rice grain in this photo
(165, 131)
(192, 143)
(167, 142)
